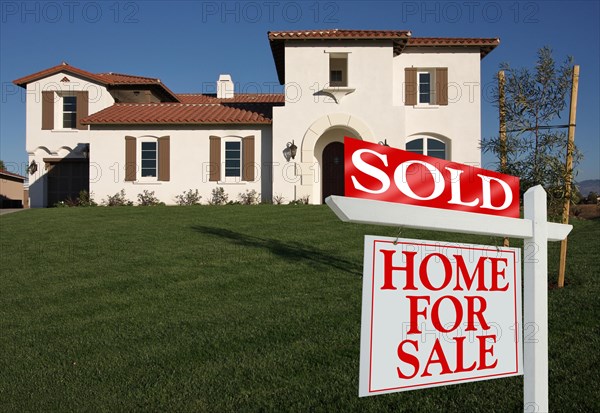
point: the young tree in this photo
(535, 149)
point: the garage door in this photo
(65, 179)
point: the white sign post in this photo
(533, 228)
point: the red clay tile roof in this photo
(63, 67)
(122, 79)
(339, 34)
(106, 79)
(173, 114)
(237, 98)
(485, 45)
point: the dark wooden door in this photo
(333, 170)
(66, 179)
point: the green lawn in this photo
(233, 308)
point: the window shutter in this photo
(47, 110)
(164, 158)
(215, 158)
(441, 76)
(248, 158)
(410, 86)
(130, 166)
(82, 108)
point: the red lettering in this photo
(389, 268)
(460, 355)
(472, 313)
(441, 360)
(408, 359)
(415, 313)
(498, 272)
(435, 314)
(424, 274)
(461, 269)
(483, 351)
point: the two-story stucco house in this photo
(104, 132)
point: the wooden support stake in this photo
(568, 173)
(502, 117)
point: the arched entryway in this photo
(333, 170)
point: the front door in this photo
(333, 170)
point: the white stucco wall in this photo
(189, 163)
(59, 142)
(366, 113)
(374, 111)
(460, 120)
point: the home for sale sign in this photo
(437, 314)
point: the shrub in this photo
(118, 199)
(300, 201)
(218, 196)
(249, 197)
(278, 199)
(83, 200)
(147, 198)
(86, 199)
(188, 198)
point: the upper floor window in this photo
(426, 89)
(426, 86)
(428, 146)
(69, 112)
(338, 69)
(64, 110)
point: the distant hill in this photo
(589, 185)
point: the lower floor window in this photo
(233, 159)
(428, 146)
(149, 159)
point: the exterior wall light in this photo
(290, 151)
(32, 168)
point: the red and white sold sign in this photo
(438, 313)
(387, 174)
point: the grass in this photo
(233, 308)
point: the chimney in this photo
(224, 87)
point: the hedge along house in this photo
(106, 132)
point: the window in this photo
(426, 89)
(426, 86)
(233, 159)
(149, 160)
(338, 69)
(427, 146)
(69, 112)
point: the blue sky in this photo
(187, 44)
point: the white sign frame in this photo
(386, 315)
(536, 232)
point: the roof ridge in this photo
(127, 75)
